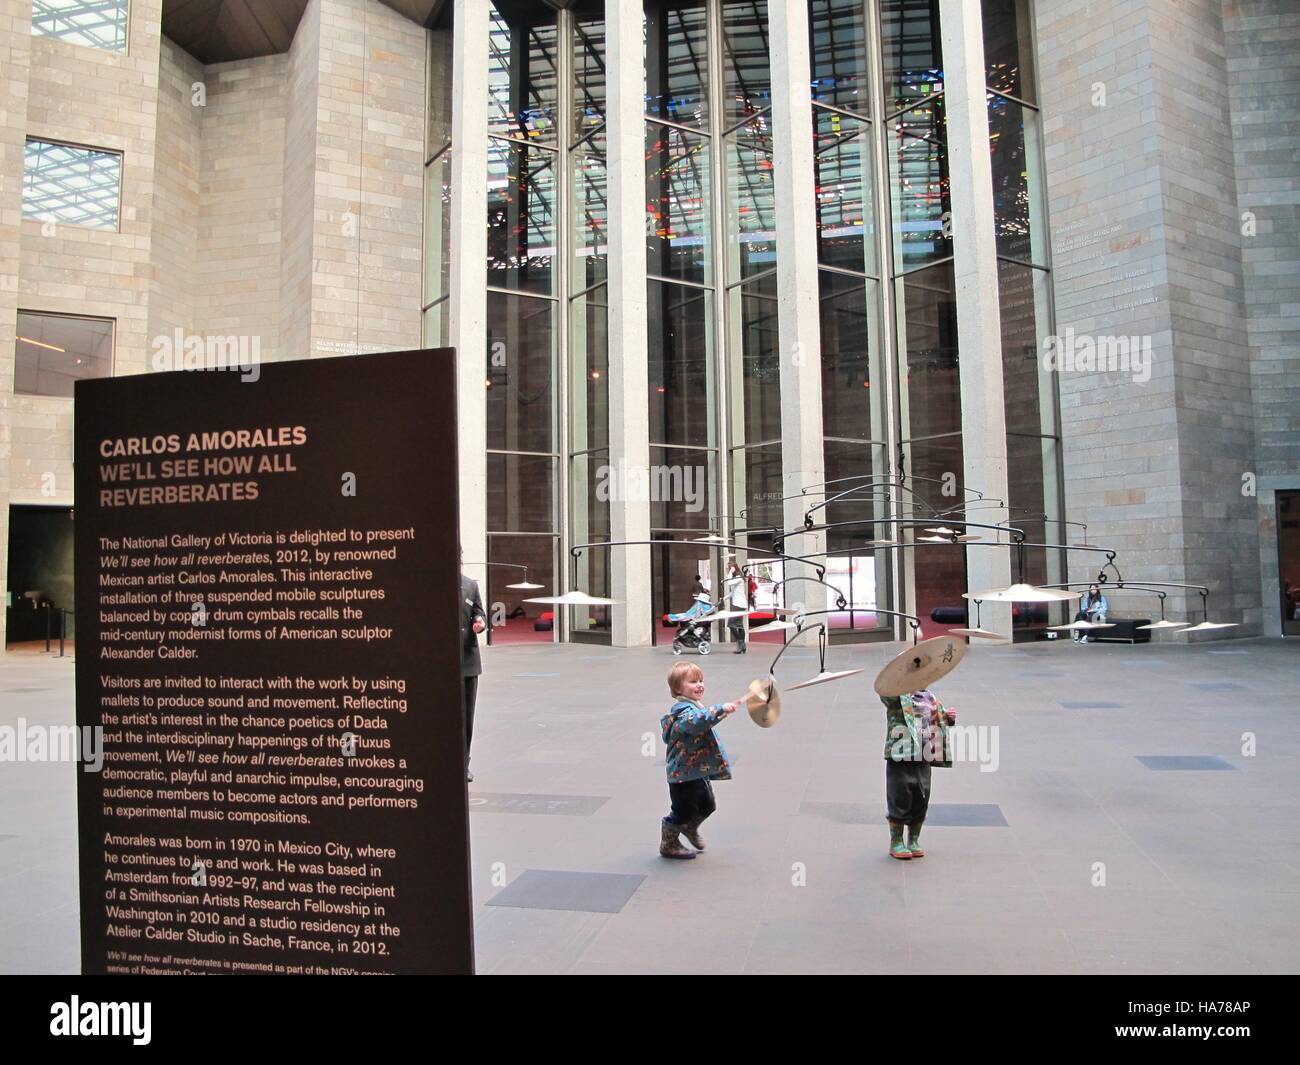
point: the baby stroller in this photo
(692, 630)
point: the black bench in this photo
(1125, 631)
(1023, 613)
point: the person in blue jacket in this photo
(695, 756)
(1092, 607)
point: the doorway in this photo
(40, 574)
(1288, 560)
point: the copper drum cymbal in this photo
(920, 666)
(980, 634)
(1021, 593)
(763, 702)
(823, 678)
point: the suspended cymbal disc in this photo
(1162, 624)
(772, 626)
(822, 678)
(1083, 626)
(1021, 593)
(723, 615)
(763, 702)
(574, 598)
(979, 634)
(920, 666)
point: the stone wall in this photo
(1262, 40)
(1142, 116)
(276, 199)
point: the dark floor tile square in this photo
(965, 815)
(945, 814)
(1184, 761)
(551, 889)
(843, 813)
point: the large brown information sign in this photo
(268, 633)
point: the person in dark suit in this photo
(472, 622)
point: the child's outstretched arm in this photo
(698, 720)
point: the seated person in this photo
(1092, 607)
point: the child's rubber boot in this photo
(914, 839)
(897, 848)
(669, 845)
(691, 831)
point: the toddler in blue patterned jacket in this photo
(694, 757)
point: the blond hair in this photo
(681, 674)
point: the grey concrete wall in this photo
(369, 173)
(1206, 301)
(1262, 40)
(297, 214)
(1110, 258)
(285, 203)
(101, 99)
(177, 145)
(237, 284)
(15, 61)
(1142, 116)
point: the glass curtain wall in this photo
(437, 187)
(930, 396)
(682, 113)
(879, 142)
(753, 359)
(854, 381)
(924, 288)
(1024, 290)
(524, 283)
(588, 303)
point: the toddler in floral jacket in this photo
(916, 739)
(695, 756)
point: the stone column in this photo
(975, 271)
(467, 306)
(15, 61)
(629, 399)
(799, 323)
(1158, 155)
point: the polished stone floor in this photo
(1143, 817)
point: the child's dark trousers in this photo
(907, 790)
(692, 801)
